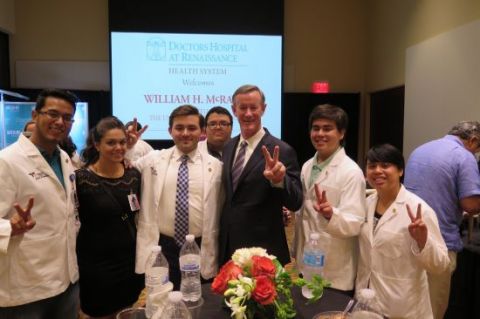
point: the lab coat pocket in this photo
(390, 244)
(29, 262)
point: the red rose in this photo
(264, 292)
(262, 266)
(228, 272)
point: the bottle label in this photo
(313, 260)
(190, 262)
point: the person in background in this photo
(108, 204)
(218, 129)
(400, 241)
(445, 174)
(181, 195)
(140, 147)
(38, 217)
(260, 176)
(28, 128)
(334, 198)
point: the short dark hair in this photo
(184, 110)
(130, 123)
(56, 93)
(386, 153)
(247, 88)
(329, 112)
(219, 110)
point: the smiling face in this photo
(112, 146)
(219, 129)
(248, 108)
(384, 177)
(185, 132)
(325, 137)
(51, 124)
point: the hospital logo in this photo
(156, 49)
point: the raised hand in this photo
(322, 205)
(417, 229)
(274, 169)
(22, 220)
(133, 135)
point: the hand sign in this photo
(322, 205)
(274, 169)
(22, 220)
(417, 229)
(133, 135)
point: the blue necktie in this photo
(181, 203)
(238, 165)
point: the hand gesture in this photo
(274, 169)
(22, 220)
(417, 229)
(287, 216)
(133, 135)
(322, 205)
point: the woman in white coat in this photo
(399, 242)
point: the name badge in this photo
(134, 203)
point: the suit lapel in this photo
(228, 157)
(207, 170)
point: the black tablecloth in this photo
(331, 300)
(465, 290)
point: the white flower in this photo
(243, 257)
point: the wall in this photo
(395, 25)
(7, 16)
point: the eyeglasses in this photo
(53, 115)
(220, 124)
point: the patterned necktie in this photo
(238, 165)
(181, 203)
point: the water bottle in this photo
(156, 276)
(175, 308)
(366, 306)
(313, 261)
(190, 284)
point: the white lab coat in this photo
(141, 148)
(390, 262)
(344, 184)
(42, 262)
(154, 167)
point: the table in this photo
(331, 300)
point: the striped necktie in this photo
(239, 163)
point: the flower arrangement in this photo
(254, 284)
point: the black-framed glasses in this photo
(221, 124)
(54, 115)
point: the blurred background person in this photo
(108, 204)
(400, 241)
(28, 128)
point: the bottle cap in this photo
(190, 238)
(156, 248)
(175, 296)
(367, 293)
(314, 236)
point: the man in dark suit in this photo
(257, 183)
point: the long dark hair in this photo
(90, 154)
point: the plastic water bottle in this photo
(175, 308)
(313, 262)
(156, 276)
(190, 285)
(366, 306)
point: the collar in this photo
(193, 156)
(255, 139)
(322, 165)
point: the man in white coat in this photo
(334, 198)
(159, 213)
(38, 218)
